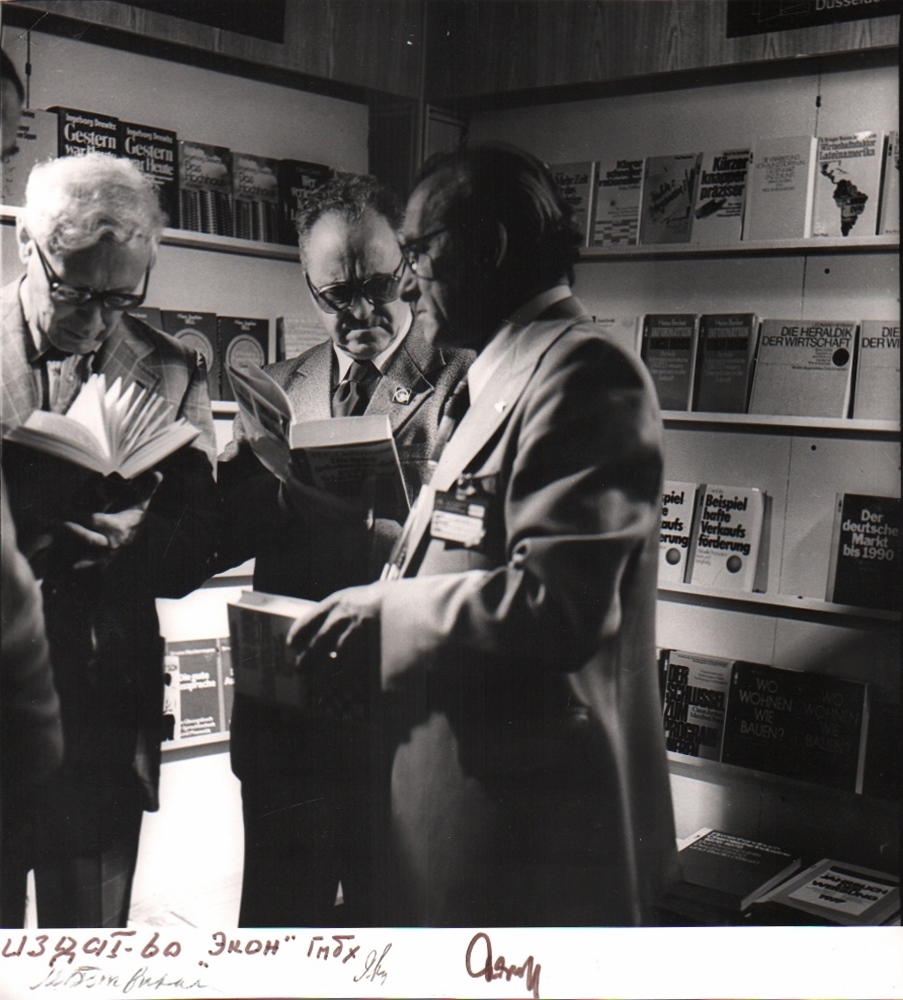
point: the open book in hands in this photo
(342, 466)
(110, 430)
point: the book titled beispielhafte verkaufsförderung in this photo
(676, 532)
(729, 541)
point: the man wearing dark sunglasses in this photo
(305, 783)
(87, 238)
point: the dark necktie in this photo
(354, 392)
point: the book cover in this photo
(804, 368)
(295, 335)
(779, 189)
(876, 393)
(730, 872)
(865, 552)
(668, 346)
(36, 140)
(196, 330)
(576, 182)
(241, 340)
(205, 188)
(80, 132)
(718, 211)
(113, 431)
(296, 178)
(263, 665)
(727, 347)
(150, 315)
(839, 892)
(156, 151)
(255, 198)
(616, 220)
(668, 196)
(678, 508)
(807, 726)
(727, 537)
(695, 700)
(847, 184)
(623, 330)
(889, 222)
(194, 671)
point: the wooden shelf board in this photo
(850, 244)
(780, 424)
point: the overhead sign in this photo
(754, 17)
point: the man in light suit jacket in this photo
(88, 237)
(306, 782)
(515, 623)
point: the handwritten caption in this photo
(480, 965)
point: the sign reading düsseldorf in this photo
(753, 17)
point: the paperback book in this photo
(865, 552)
(668, 346)
(617, 209)
(727, 538)
(847, 184)
(811, 727)
(678, 509)
(194, 674)
(205, 188)
(80, 132)
(296, 179)
(718, 212)
(876, 394)
(804, 368)
(295, 335)
(109, 430)
(668, 197)
(156, 152)
(348, 464)
(695, 700)
(255, 198)
(150, 315)
(241, 341)
(889, 224)
(727, 347)
(575, 183)
(779, 190)
(36, 140)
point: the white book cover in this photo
(720, 194)
(847, 186)
(726, 538)
(36, 140)
(804, 368)
(877, 392)
(575, 182)
(779, 188)
(617, 211)
(678, 506)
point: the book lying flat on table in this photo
(351, 462)
(110, 430)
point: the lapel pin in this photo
(500, 406)
(402, 395)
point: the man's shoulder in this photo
(282, 371)
(438, 362)
(154, 341)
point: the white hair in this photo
(74, 202)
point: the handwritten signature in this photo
(495, 970)
(91, 977)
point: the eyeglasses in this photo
(378, 289)
(413, 250)
(69, 295)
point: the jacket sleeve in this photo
(579, 479)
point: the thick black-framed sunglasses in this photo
(416, 248)
(69, 295)
(378, 289)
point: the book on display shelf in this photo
(205, 188)
(668, 197)
(728, 535)
(297, 334)
(889, 222)
(696, 689)
(668, 346)
(80, 132)
(804, 368)
(36, 141)
(240, 340)
(296, 179)
(616, 217)
(150, 315)
(727, 347)
(196, 330)
(576, 182)
(721, 192)
(876, 390)
(847, 185)
(864, 570)
(193, 688)
(255, 198)
(623, 330)
(676, 532)
(797, 724)
(156, 152)
(779, 189)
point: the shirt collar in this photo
(488, 359)
(381, 360)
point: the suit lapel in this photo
(309, 388)
(19, 395)
(405, 386)
(125, 355)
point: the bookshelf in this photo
(752, 248)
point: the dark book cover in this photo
(156, 151)
(727, 344)
(255, 198)
(193, 669)
(695, 699)
(297, 178)
(865, 555)
(80, 132)
(240, 340)
(668, 347)
(198, 331)
(150, 315)
(807, 726)
(205, 188)
(730, 872)
(668, 197)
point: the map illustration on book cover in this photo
(575, 183)
(617, 209)
(718, 213)
(848, 184)
(877, 392)
(668, 197)
(865, 552)
(799, 725)
(678, 508)
(727, 345)
(696, 692)
(668, 348)
(727, 537)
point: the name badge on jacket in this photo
(459, 515)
